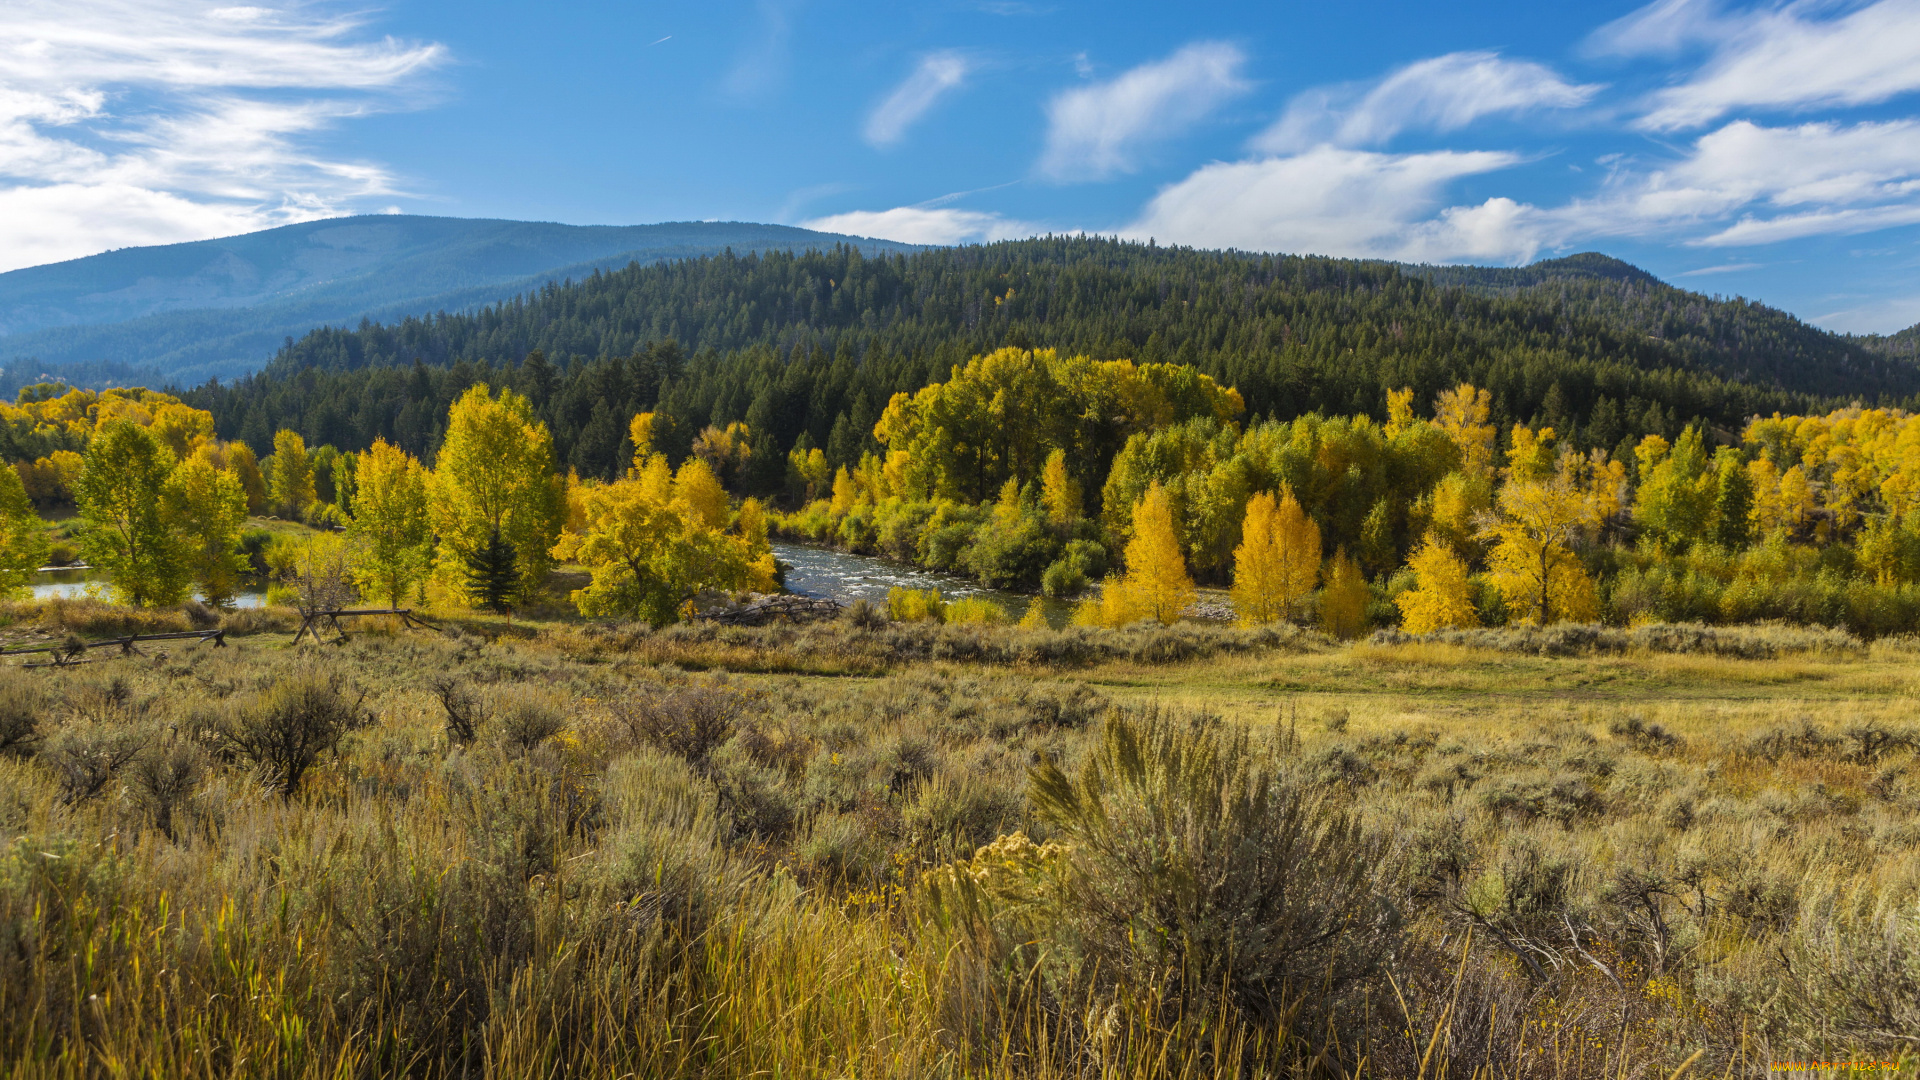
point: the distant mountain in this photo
(187, 312)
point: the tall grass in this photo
(608, 867)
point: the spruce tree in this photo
(492, 577)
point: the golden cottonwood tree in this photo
(390, 531)
(1443, 599)
(208, 506)
(23, 536)
(1343, 604)
(1535, 525)
(1278, 561)
(290, 486)
(494, 484)
(1463, 413)
(1059, 492)
(652, 545)
(125, 527)
(1156, 568)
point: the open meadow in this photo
(914, 850)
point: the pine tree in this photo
(1443, 599)
(493, 576)
(1156, 568)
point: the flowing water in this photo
(817, 571)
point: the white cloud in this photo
(925, 225)
(1782, 182)
(1096, 131)
(1877, 316)
(1444, 93)
(155, 122)
(1793, 56)
(1664, 28)
(935, 75)
(1333, 201)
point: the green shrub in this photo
(1196, 869)
(283, 731)
(1080, 562)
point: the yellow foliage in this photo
(1343, 604)
(1399, 411)
(1156, 568)
(1117, 604)
(640, 434)
(700, 491)
(1036, 616)
(1443, 600)
(1059, 492)
(1278, 561)
(845, 493)
(916, 605)
(977, 611)
(1539, 520)
(1462, 413)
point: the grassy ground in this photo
(546, 847)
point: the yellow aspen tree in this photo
(1399, 411)
(1343, 604)
(640, 434)
(23, 536)
(697, 487)
(291, 483)
(1117, 604)
(1278, 561)
(1156, 568)
(1443, 599)
(208, 508)
(494, 483)
(1462, 413)
(389, 527)
(246, 468)
(1059, 492)
(1036, 616)
(844, 493)
(1534, 528)
(125, 527)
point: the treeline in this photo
(816, 344)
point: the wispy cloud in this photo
(932, 78)
(1444, 93)
(1806, 54)
(762, 65)
(925, 225)
(1723, 268)
(1334, 201)
(1096, 131)
(161, 121)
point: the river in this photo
(52, 584)
(817, 571)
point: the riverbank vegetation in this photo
(1164, 851)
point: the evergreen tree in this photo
(493, 574)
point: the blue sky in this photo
(1770, 151)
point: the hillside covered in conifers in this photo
(813, 345)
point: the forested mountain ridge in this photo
(817, 342)
(223, 307)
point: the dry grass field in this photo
(921, 851)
